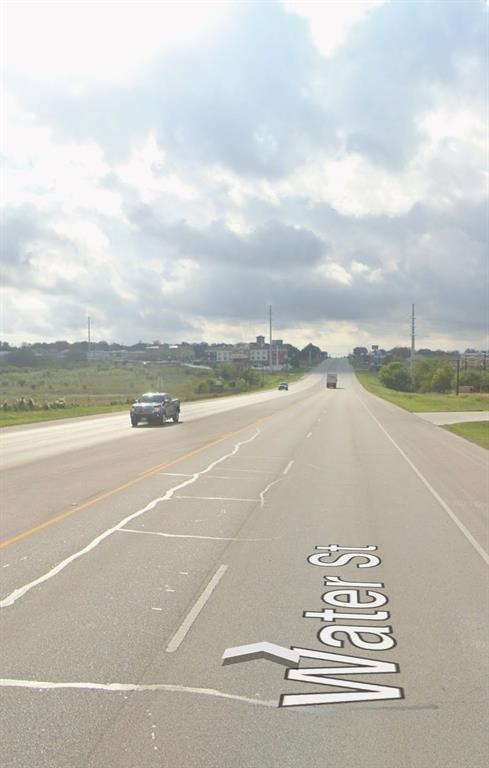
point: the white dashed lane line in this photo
(185, 626)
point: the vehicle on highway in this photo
(331, 380)
(283, 385)
(155, 408)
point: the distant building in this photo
(259, 355)
(256, 353)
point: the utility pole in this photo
(271, 353)
(413, 348)
(88, 333)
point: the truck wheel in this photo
(161, 420)
(176, 417)
(134, 422)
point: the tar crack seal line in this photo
(346, 595)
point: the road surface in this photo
(132, 565)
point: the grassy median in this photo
(424, 402)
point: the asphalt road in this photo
(132, 562)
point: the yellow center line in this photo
(142, 476)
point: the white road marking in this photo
(264, 650)
(185, 626)
(213, 498)
(265, 490)
(179, 474)
(41, 685)
(188, 536)
(288, 467)
(314, 466)
(254, 471)
(434, 493)
(309, 434)
(21, 591)
(221, 477)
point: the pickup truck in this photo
(154, 408)
(331, 380)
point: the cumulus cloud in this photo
(254, 161)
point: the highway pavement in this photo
(330, 546)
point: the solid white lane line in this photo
(185, 626)
(213, 498)
(434, 493)
(188, 536)
(288, 467)
(41, 685)
(21, 591)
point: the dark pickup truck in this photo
(155, 408)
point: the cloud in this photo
(391, 69)
(249, 164)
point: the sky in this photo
(171, 170)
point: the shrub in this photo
(395, 376)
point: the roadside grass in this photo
(109, 387)
(15, 418)
(475, 431)
(423, 402)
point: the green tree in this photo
(293, 355)
(484, 385)
(442, 378)
(310, 353)
(424, 371)
(23, 358)
(395, 376)
(471, 378)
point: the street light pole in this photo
(271, 352)
(88, 339)
(413, 348)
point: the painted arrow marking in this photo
(264, 650)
